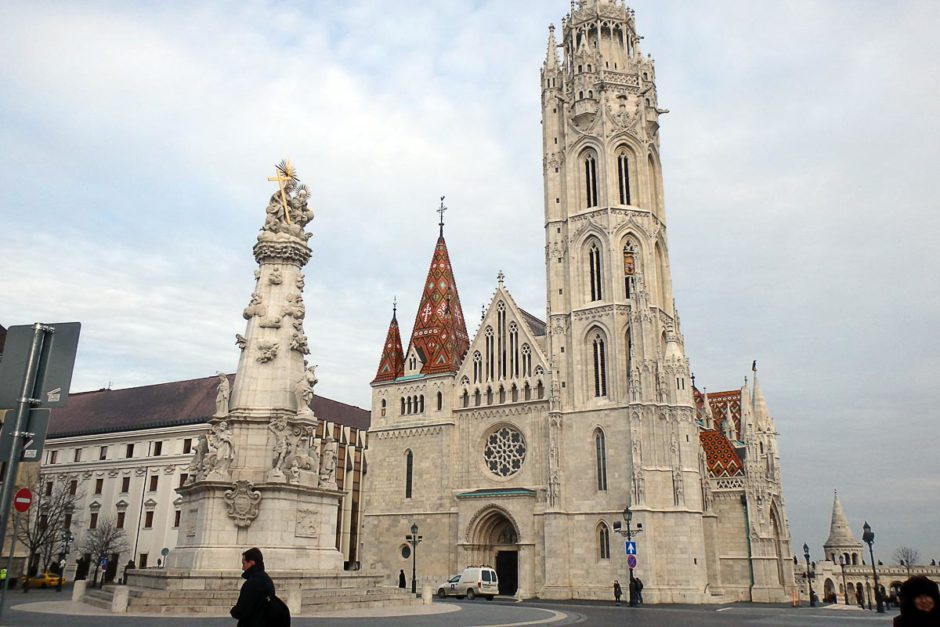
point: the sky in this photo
(800, 174)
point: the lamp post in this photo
(67, 538)
(844, 587)
(809, 576)
(414, 540)
(868, 537)
(629, 532)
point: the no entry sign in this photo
(22, 500)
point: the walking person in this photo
(401, 578)
(250, 610)
(639, 591)
(618, 591)
(633, 591)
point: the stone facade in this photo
(523, 450)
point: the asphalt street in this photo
(20, 610)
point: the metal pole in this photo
(20, 421)
(878, 602)
(414, 566)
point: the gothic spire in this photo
(392, 364)
(440, 333)
(551, 55)
(840, 533)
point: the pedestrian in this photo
(251, 608)
(920, 603)
(639, 591)
(633, 591)
(618, 591)
(401, 578)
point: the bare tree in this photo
(42, 529)
(103, 541)
(907, 556)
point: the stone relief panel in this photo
(243, 503)
(308, 523)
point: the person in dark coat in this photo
(401, 578)
(257, 589)
(633, 591)
(639, 591)
(920, 603)
(618, 591)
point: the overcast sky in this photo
(800, 162)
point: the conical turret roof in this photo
(392, 364)
(440, 333)
(840, 533)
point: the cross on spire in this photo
(394, 305)
(441, 211)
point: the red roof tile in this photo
(720, 457)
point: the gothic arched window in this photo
(623, 177)
(600, 454)
(466, 398)
(526, 361)
(594, 267)
(490, 354)
(590, 180)
(629, 269)
(440, 401)
(384, 403)
(409, 473)
(477, 367)
(402, 406)
(600, 366)
(603, 542)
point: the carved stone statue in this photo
(267, 351)
(298, 342)
(240, 341)
(255, 307)
(222, 396)
(281, 446)
(295, 306)
(303, 390)
(221, 454)
(196, 468)
(275, 277)
(328, 464)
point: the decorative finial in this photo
(482, 312)
(394, 305)
(285, 173)
(754, 366)
(441, 211)
(500, 277)
(693, 379)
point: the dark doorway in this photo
(111, 573)
(507, 570)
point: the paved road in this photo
(467, 614)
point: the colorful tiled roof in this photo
(392, 364)
(164, 405)
(722, 401)
(440, 332)
(720, 457)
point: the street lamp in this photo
(414, 540)
(844, 588)
(67, 538)
(809, 576)
(629, 532)
(868, 537)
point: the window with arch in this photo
(629, 270)
(527, 392)
(600, 459)
(490, 357)
(384, 403)
(540, 390)
(502, 394)
(402, 405)
(654, 185)
(409, 472)
(440, 401)
(477, 367)
(600, 365)
(409, 405)
(661, 277)
(466, 399)
(501, 339)
(421, 404)
(513, 349)
(514, 394)
(623, 177)
(476, 398)
(594, 270)
(590, 180)
(489, 396)
(603, 542)
(526, 361)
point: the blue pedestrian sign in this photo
(630, 547)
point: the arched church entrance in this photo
(495, 542)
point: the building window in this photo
(120, 520)
(73, 487)
(99, 486)
(67, 522)
(409, 473)
(594, 265)
(142, 562)
(383, 405)
(590, 180)
(629, 270)
(405, 551)
(125, 484)
(53, 456)
(148, 520)
(183, 477)
(157, 449)
(623, 178)
(78, 455)
(48, 488)
(600, 451)
(600, 367)
(466, 398)
(103, 453)
(476, 398)
(154, 481)
(129, 451)
(187, 445)
(440, 401)
(176, 518)
(603, 541)
(93, 521)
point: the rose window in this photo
(504, 451)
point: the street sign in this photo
(37, 425)
(630, 547)
(56, 360)
(22, 500)
(631, 561)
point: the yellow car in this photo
(45, 580)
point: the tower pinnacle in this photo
(441, 212)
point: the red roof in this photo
(164, 405)
(720, 457)
(440, 332)
(719, 402)
(392, 364)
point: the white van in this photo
(477, 581)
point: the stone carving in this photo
(270, 322)
(275, 277)
(196, 468)
(222, 396)
(299, 283)
(328, 464)
(677, 486)
(554, 400)
(220, 453)
(298, 342)
(639, 486)
(295, 306)
(190, 524)
(281, 431)
(504, 451)
(240, 341)
(255, 307)
(243, 503)
(267, 350)
(303, 390)
(287, 211)
(308, 523)
(554, 482)
(302, 453)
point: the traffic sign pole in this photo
(23, 405)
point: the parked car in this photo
(473, 582)
(45, 580)
(448, 588)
